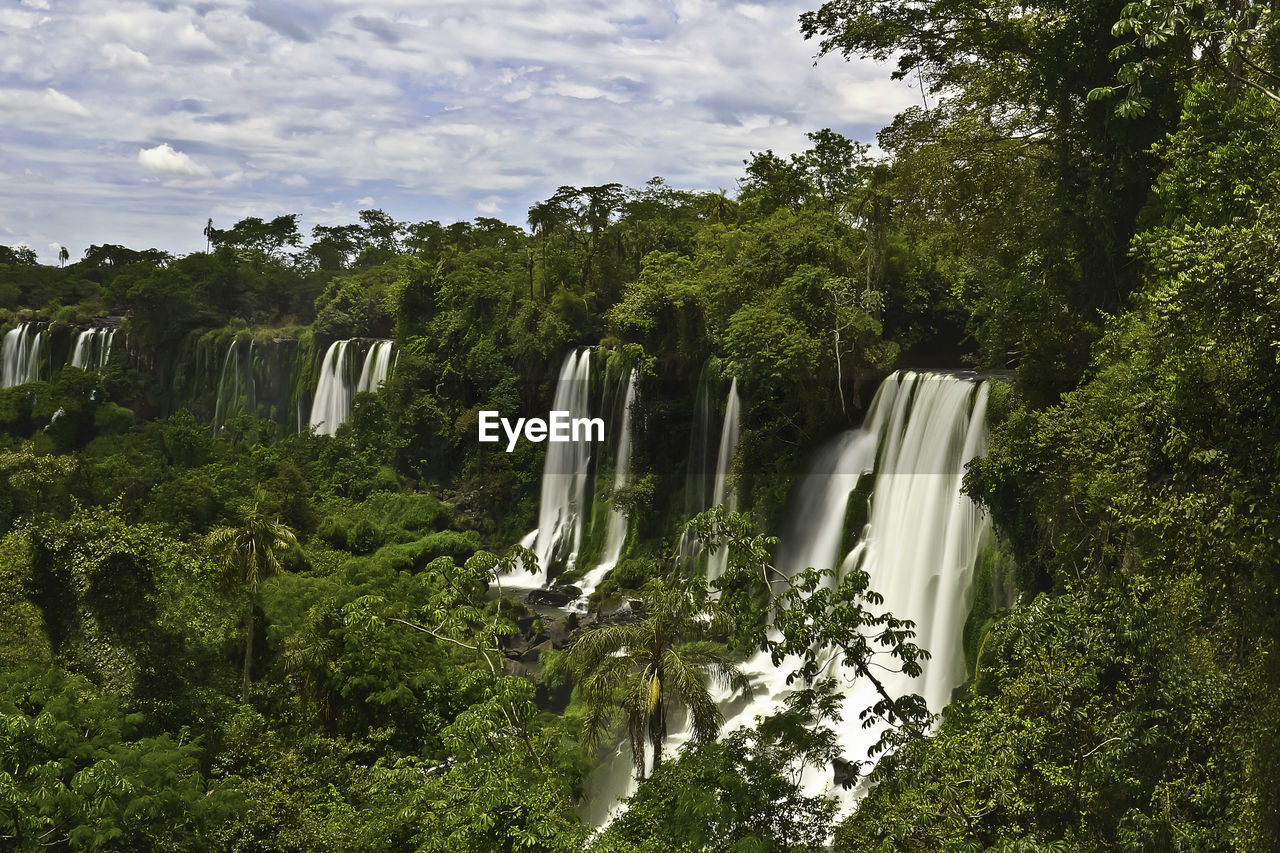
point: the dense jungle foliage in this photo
(222, 633)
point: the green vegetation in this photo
(220, 632)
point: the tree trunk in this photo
(248, 651)
(659, 734)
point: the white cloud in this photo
(40, 104)
(164, 160)
(437, 110)
(124, 58)
(64, 103)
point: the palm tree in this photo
(249, 553)
(643, 668)
(64, 255)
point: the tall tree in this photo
(249, 553)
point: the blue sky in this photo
(128, 121)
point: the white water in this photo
(561, 509)
(721, 494)
(924, 535)
(920, 546)
(377, 364)
(92, 349)
(616, 533)
(338, 383)
(332, 402)
(20, 355)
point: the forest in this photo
(264, 590)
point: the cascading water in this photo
(377, 364)
(934, 432)
(720, 492)
(20, 355)
(562, 507)
(333, 391)
(338, 383)
(920, 546)
(616, 532)
(92, 349)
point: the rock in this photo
(558, 633)
(556, 596)
(531, 655)
(622, 612)
(844, 771)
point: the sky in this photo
(135, 121)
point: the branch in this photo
(483, 652)
(1240, 78)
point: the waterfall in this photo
(720, 493)
(920, 546)
(616, 533)
(92, 349)
(820, 503)
(377, 364)
(562, 505)
(338, 383)
(236, 385)
(20, 355)
(333, 391)
(924, 536)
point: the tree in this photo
(1021, 74)
(252, 234)
(249, 554)
(18, 255)
(63, 255)
(644, 668)
(79, 773)
(501, 786)
(1233, 41)
(731, 795)
(820, 616)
